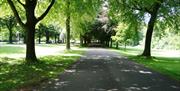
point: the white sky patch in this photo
(147, 18)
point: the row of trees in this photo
(29, 13)
(15, 33)
(85, 17)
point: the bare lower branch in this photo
(13, 8)
(21, 3)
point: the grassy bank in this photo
(15, 73)
(169, 66)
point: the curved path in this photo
(104, 70)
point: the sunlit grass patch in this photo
(11, 49)
(169, 66)
(18, 74)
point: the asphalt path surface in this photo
(105, 70)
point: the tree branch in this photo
(46, 12)
(13, 8)
(21, 3)
(140, 8)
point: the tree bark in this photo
(117, 45)
(151, 23)
(47, 37)
(111, 43)
(30, 44)
(68, 33)
(10, 36)
(24, 38)
(58, 38)
(55, 38)
(81, 40)
(68, 26)
(39, 39)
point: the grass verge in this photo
(15, 73)
(11, 49)
(168, 66)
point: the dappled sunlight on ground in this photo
(15, 73)
(104, 70)
(41, 50)
(154, 52)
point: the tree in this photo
(159, 10)
(40, 32)
(10, 22)
(29, 25)
(72, 11)
(126, 34)
(153, 12)
(68, 21)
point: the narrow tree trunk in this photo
(58, 38)
(47, 37)
(108, 43)
(117, 45)
(30, 45)
(10, 36)
(81, 40)
(125, 46)
(111, 43)
(85, 41)
(24, 38)
(39, 39)
(151, 23)
(68, 26)
(68, 33)
(55, 38)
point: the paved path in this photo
(103, 70)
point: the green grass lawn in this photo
(15, 73)
(169, 66)
(11, 49)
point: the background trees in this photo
(9, 22)
(95, 21)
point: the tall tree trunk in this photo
(39, 39)
(111, 43)
(68, 26)
(30, 44)
(58, 38)
(47, 37)
(85, 41)
(55, 38)
(151, 23)
(68, 33)
(125, 46)
(10, 36)
(117, 45)
(81, 40)
(24, 38)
